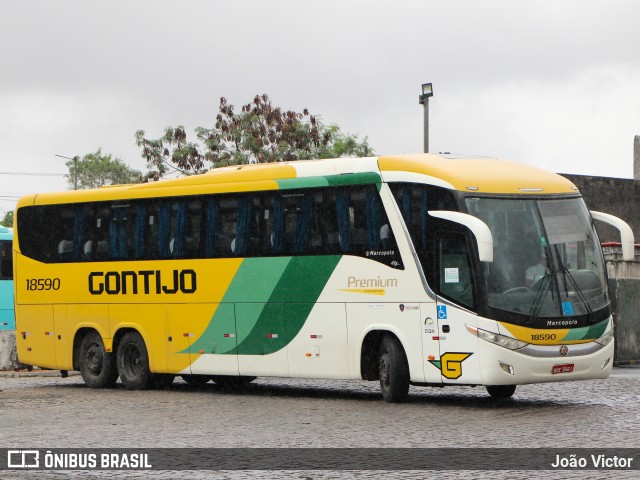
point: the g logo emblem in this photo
(450, 364)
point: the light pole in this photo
(75, 169)
(427, 91)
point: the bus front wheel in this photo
(394, 370)
(501, 391)
(133, 363)
(97, 367)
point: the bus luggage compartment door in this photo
(214, 351)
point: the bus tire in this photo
(97, 366)
(394, 370)
(501, 391)
(197, 381)
(133, 363)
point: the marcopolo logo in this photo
(142, 282)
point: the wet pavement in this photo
(41, 410)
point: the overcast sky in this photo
(550, 83)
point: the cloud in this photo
(583, 124)
(548, 83)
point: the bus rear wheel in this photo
(501, 391)
(133, 363)
(393, 370)
(97, 366)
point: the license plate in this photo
(564, 368)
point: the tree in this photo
(7, 221)
(95, 170)
(259, 133)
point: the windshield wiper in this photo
(566, 274)
(538, 301)
(545, 284)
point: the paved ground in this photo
(40, 410)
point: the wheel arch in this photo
(370, 348)
(157, 359)
(78, 336)
(121, 332)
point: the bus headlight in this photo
(606, 339)
(496, 338)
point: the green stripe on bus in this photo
(364, 178)
(268, 322)
(304, 280)
(255, 279)
(590, 332)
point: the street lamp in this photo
(427, 91)
(75, 169)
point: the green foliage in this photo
(259, 133)
(95, 170)
(7, 220)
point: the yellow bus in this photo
(424, 270)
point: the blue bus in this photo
(7, 317)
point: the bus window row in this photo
(6, 263)
(324, 221)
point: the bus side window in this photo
(193, 229)
(139, 228)
(6, 265)
(177, 229)
(330, 223)
(120, 232)
(273, 224)
(212, 226)
(101, 233)
(64, 232)
(294, 230)
(246, 242)
(225, 234)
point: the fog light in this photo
(507, 368)
(606, 362)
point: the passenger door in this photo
(455, 305)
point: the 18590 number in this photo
(43, 284)
(543, 336)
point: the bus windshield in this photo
(547, 261)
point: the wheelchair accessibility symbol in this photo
(567, 308)
(442, 312)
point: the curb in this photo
(34, 373)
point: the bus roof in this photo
(482, 175)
